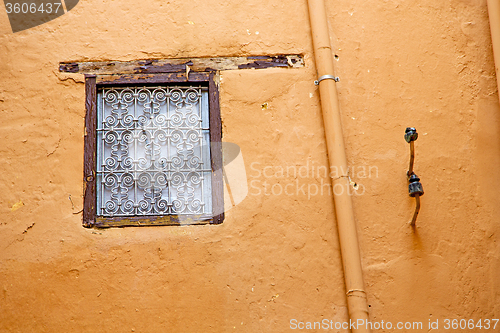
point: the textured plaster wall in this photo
(426, 64)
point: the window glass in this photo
(153, 151)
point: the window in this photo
(152, 151)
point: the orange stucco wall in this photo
(427, 64)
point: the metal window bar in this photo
(153, 151)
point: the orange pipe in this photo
(348, 238)
(494, 15)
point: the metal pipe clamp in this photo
(327, 77)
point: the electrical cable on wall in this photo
(415, 188)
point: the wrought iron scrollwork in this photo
(153, 155)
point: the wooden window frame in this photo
(92, 83)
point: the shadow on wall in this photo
(26, 15)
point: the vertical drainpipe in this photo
(494, 15)
(349, 247)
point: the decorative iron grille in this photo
(153, 151)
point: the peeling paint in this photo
(16, 206)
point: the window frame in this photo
(92, 83)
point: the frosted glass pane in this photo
(153, 151)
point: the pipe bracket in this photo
(350, 292)
(327, 77)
